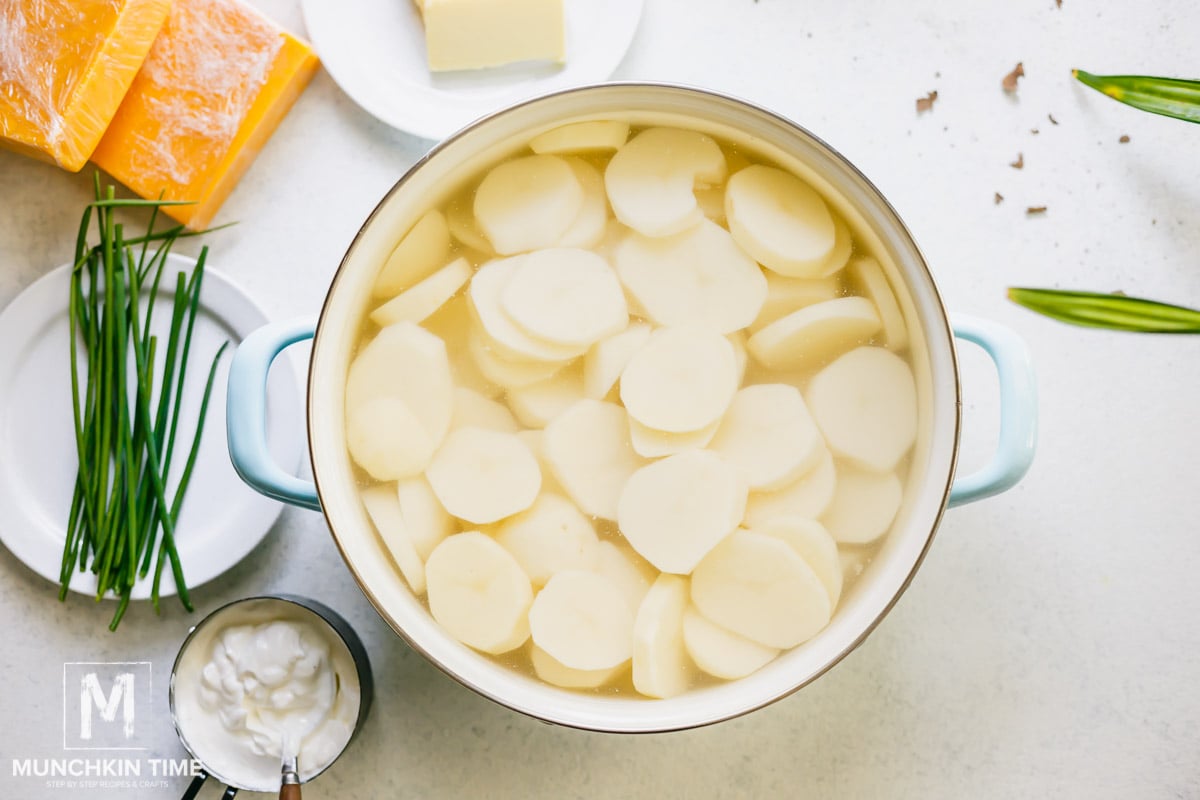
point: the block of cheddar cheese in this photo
(64, 68)
(215, 85)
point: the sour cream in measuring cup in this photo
(257, 675)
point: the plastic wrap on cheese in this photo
(214, 87)
(65, 65)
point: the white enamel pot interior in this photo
(431, 182)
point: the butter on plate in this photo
(476, 34)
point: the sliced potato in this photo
(452, 323)
(581, 619)
(484, 476)
(581, 137)
(768, 436)
(660, 662)
(865, 403)
(527, 203)
(606, 359)
(386, 439)
(422, 300)
(554, 672)
(722, 653)
(629, 571)
(384, 510)
(813, 543)
(711, 200)
(566, 296)
(675, 510)
(698, 277)
(815, 334)
(504, 372)
(780, 221)
(588, 449)
(422, 250)
(591, 223)
(867, 276)
(741, 358)
(785, 295)
(652, 178)
(534, 440)
(549, 537)
(425, 520)
(460, 219)
(478, 593)
(864, 505)
(843, 246)
(504, 336)
(758, 587)
(853, 561)
(808, 496)
(681, 380)
(650, 443)
(474, 410)
(537, 404)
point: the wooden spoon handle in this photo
(289, 791)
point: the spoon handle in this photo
(289, 791)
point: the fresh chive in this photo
(1112, 311)
(1171, 97)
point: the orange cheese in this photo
(217, 82)
(64, 67)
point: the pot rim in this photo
(944, 328)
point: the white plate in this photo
(222, 519)
(375, 50)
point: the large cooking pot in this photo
(931, 486)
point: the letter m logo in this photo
(101, 702)
(121, 697)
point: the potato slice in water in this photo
(591, 223)
(527, 203)
(537, 404)
(384, 510)
(681, 380)
(478, 593)
(815, 334)
(780, 221)
(423, 249)
(535, 441)
(660, 662)
(673, 511)
(768, 436)
(809, 496)
(865, 403)
(581, 620)
(758, 587)
(652, 179)
(549, 537)
(866, 274)
(813, 543)
(503, 334)
(565, 296)
(786, 295)
(386, 439)
(587, 447)
(741, 356)
(843, 246)
(452, 323)
(698, 277)
(554, 672)
(722, 653)
(606, 359)
(474, 410)
(422, 300)
(712, 203)
(864, 505)
(426, 521)
(581, 137)
(504, 372)
(484, 476)
(629, 571)
(650, 443)
(460, 219)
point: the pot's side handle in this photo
(246, 413)
(1018, 409)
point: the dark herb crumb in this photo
(1032, 210)
(1010, 80)
(1034, 131)
(1053, 121)
(998, 199)
(1057, 3)
(1124, 139)
(1019, 163)
(926, 103)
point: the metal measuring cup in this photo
(317, 613)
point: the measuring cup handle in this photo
(1018, 410)
(246, 413)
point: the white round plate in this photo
(222, 519)
(375, 50)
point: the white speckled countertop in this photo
(1049, 645)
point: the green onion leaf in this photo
(1111, 311)
(1171, 97)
